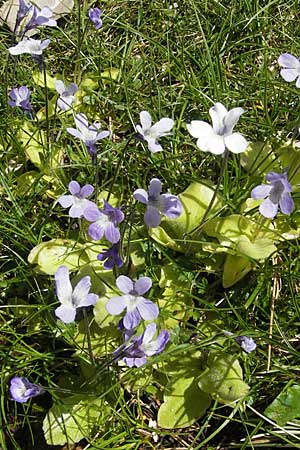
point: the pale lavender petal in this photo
(74, 187)
(149, 332)
(86, 191)
(289, 75)
(286, 203)
(124, 284)
(153, 145)
(141, 196)
(76, 210)
(152, 217)
(157, 346)
(268, 209)
(148, 310)
(142, 285)
(66, 313)
(274, 176)
(81, 290)
(63, 285)
(247, 343)
(60, 87)
(231, 119)
(154, 188)
(92, 213)
(162, 127)
(71, 89)
(289, 61)
(95, 232)
(261, 191)
(218, 113)
(135, 362)
(131, 319)
(115, 305)
(74, 132)
(66, 201)
(199, 129)
(81, 122)
(112, 233)
(236, 143)
(64, 103)
(170, 206)
(102, 135)
(89, 300)
(298, 82)
(214, 144)
(145, 120)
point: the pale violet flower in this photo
(24, 8)
(111, 257)
(66, 94)
(22, 390)
(137, 349)
(291, 68)
(246, 343)
(32, 46)
(39, 17)
(166, 204)
(94, 16)
(137, 307)
(152, 133)
(77, 201)
(89, 134)
(105, 222)
(276, 195)
(20, 97)
(216, 138)
(72, 299)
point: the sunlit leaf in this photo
(286, 406)
(235, 268)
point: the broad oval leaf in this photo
(286, 406)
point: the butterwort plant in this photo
(152, 133)
(276, 195)
(158, 204)
(105, 222)
(77, 201)
(217, 137)
(137, 307)
(72, 299)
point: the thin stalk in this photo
(95, 161)
(79, 38)
(88, 335)
(46, 107)
(118, 168)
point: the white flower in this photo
(89, 134)
(151, 134)
(66, 97)
(34, 47)
(219, 136)
(291, 68)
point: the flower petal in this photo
(155, 187)
(170, 206)
(236, 143)
(81, 290)
(63, 285)
(231, 119)
(199, 129)
(92, 212)
(289, 74)
(142, 285)
(157, 346)
(289, 61)
(153, 145)
(112, 233)
(261, 191)
(286, 203)
(218, 113)
(60, 87)
(81, 122)
(268, 209)
(124, 284)
(141, 196)
(66, 201)
(131, 319)
(74, 187)
(86, 190)
(146, 120)
(95, 232)
(89, 300)
(162, 127)
(66, 313)
(149, 332)
(152, 217)
(115, 305)
(103, 134)
(214, 144)
(148, 310)
(75, 133)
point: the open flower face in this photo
(105, 222)
(77, 201)
(89, 134)
(22, 390)
(152, 133)
(66, 94)
(32, 46)
(219, 136)
(291, 68)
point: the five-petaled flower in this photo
(94, 16)
(219, 136)
(77, 201)
(32, 46)
(151, 134)
(246, 343)
(105, 222)
(276, 194)
(20, 97)
(66, 94)
(89, 134)
(167, 204)
(111, 257)
(137, 307)
(39, 17)
(72, 299)
(22, 390)
(291, 68)
(137, 349)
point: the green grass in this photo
(173, 63)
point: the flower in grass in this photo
(89, 134)
(22, 390)
(20, 97)
(291, 68)
(151, 134)
(71, 299)
(105, 222)
(77, 201)
(22, 12)
(94, 15)
(167, 204)
(40, 17)
(137, 349)
(111, 257)
(219, 136)
(137, 307)
(32, 46)
(276, 194)
(66, 94)
(246, 343)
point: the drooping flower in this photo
(94, 15)
(77, 201)
(105, 222)
(66, 94)
(276, 194)
(72, 299)
(32, 46)
(138, 348)
(111, 257)
(151, 134)
(20, 97)
(291, 68)
(246, 343)
(40, 17)
(137, 307)
(219, 136)
(22, 390)
(89, 134)
(167, 204)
